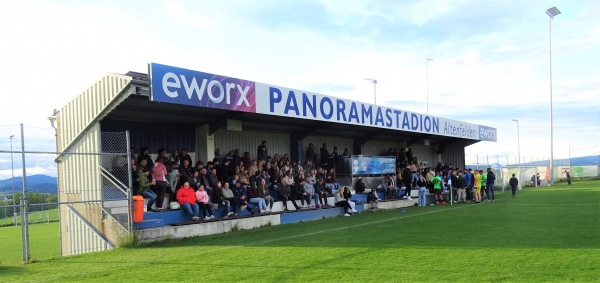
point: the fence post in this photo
(24, 216)
(129, 185)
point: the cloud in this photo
(490, 58)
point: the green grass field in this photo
(542, 235)
(50, 215)
(43, 240)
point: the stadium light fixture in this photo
(374, 81)
(551, 12)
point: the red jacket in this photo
(186, 195)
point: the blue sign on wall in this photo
(373, 165)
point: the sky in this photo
(490, 59)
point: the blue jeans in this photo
(228, 206)
(414, 180)
(333, 186)
(151, 196)
(489, 191)
(260, 202)
(422, 196)
(309, 198)
(191, 209)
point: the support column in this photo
(205, 144)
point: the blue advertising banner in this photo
(373, 165)
(182, 86)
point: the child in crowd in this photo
(202, 200)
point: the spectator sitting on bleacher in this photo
(347, 196)
(322, 193)
(263, 192)
(183, 156)
(321, 173)
(229, 199)
(285, 193)
(313, 176)
(241, 197)
(359, 187)
(187, 167)
(254, 197)
(309, 192)
(331, 180)
(395, 190)
(309, 166)
(202, 200)
(373, 199)
(195, 183)
(146, 188)
(298, 189)
(173, 176)
(187, 199)
(341, 201)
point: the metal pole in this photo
(60, 234)
(570, 168)
(551, 12)
(12, 172)
(129, 185)
(519, 153)
(375, 91)
(24, 216)
(551, 126)
(427, 80)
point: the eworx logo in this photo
(487, 133)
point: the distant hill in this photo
(574, 161)
(35, 183)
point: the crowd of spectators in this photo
(234, 180)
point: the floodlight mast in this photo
(551, 12)
(427, 59)
(374, 81)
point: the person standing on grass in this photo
(187, 199)
(468, 187)
(568, 177)
(461, 184)
(491, 179)
(513, 185)
(477, 187)
(437, 188)
(483, 187)
(454, 186)
(422, 183)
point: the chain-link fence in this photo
(31, 205)
(534, 171)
